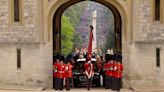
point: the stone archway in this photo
(122, 29)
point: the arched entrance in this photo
(117, 7)
(57, 25)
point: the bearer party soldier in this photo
(61, 73)
(69, 78)
(57, 59)
(118, 69)
(108, 68)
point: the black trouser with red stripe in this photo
(117, 84)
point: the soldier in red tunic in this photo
(69, 79)
(118, 68)
(120, 75)
(89, 72)
(55, 74)
(108, 67)
(61, 75)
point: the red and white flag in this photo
(89, 55)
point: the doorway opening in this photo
(70, 31)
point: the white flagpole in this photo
(94, 16)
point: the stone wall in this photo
(147, 35)
(4, 13)
(147, 29)
(36, 61)
(33, 68)
(143, 69)
(26, 32)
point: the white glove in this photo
(115, 68)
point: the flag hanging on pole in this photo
(89, 55)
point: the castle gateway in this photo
(30, 34)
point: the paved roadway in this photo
(80, 90)
(75, 90)
(27, 89)
(72, 90)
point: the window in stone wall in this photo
(158, 57)
(18, 58)
(16, 11)
(157, 10)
